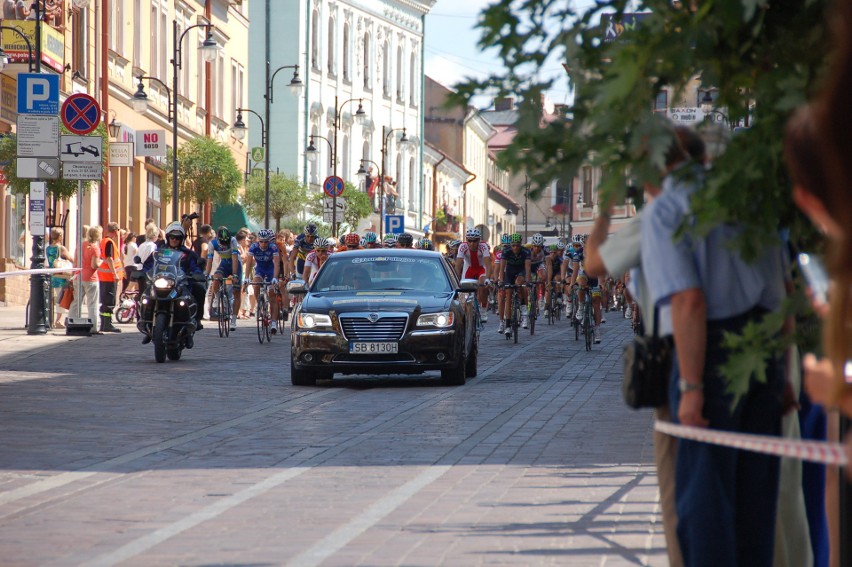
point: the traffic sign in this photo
(38, 168)
(38, 136)
(38, 94)
(82, 171)
(38, 193)
(394, 224)
(333, 186)
(81, 113)
(81, 149)
(258, 153)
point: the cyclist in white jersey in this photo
(473, 261)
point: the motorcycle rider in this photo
(191, 265)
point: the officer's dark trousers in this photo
(727, 498)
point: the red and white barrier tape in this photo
(813, 451)
(38, 272)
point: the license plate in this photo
(361, 347)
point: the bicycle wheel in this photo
(588, 329)
(516, 317)
(267, 318)
(222, 306)
(533, 314)
(259, 315)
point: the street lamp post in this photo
(526, 204)
(295, 89)
(239, 130)
(404, 142)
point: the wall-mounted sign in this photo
(121, 154)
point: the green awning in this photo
(234, 217)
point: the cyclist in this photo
(538, 268)
(371, 240)
(473, 262)
(553, 267)
(568, 271)
(405, 240)
(496, 267)
(301, 248)
(264, 255)
(426, 244)
(315, 259)
(579, 276)
(352, 242)
(516, 269)
(228, 249)
(453, 250)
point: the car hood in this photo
(407, 301)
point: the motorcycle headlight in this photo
(313, 320)
(163, 283)
(442, 320)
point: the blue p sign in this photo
(394, 224)
(38, 94)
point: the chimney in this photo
(504, 103)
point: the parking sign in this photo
(38, 94)
(394, 224)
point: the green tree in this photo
(206, 170)
(59, 188)
(762, 59)
(287, 196)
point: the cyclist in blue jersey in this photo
(303, 246)
(516, 269)
(264, 256)
(228, 250)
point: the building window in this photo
(587, 186)
(314, 164)
(386, 69)
(347, 75)
(412, 72)
(400, 189)
(332, 36)
(315, 30)
(344, 162)
(412, 193)
(116, 26)
(367, 78)
(80, 44)
(202, 75)
(152, 206)
(661, 102)
(137, 37)
(400, 79)
(237, 75)
(330, 137)
(183, 20)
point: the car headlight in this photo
(163, 283)
(313, 320)
(442, 320)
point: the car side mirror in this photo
(297, 287)
(469, 286)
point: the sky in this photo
(452, 53)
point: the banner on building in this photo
(151, 143)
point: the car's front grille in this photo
(383, 329)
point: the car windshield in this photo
(377, 273)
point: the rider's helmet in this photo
(265, 235)
(516, 238)
(352, 239)
(222, 234)
(577, 239)
(553, 248)
(370, 237)
(405, 240)
(453, 243)
(311, 229)
(473, 234)
(363, 242)
(175, 230)
(560, 245)
(537, 239)
(322, 244)
(585, 238)
(506, 239)
(426, 244)
(389, 241)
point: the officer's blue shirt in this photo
(673, 263)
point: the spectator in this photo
(725, 498)
(54, 252)
(89, 276)
(9, 12)
(22, 9)
(130, 250)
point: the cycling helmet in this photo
(453, 243)
(516, 238)
(362, 243)
(537, 239)
(473, 234)
(311, 229)
(370, 237)
(426, 244)
(577, 239)
(322, 244)
(175, 229)
(505, 239)
(223, 234)
(416, 245)
(265, 235)
(405, 240)
(332, 242)
(560, 245)
(352, 239)
(389, 240)
(585, 238)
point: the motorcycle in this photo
(168, 307)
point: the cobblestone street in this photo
(108, 458)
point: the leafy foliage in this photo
(762, 59)
(59, 188)
(206, 170)
(287, 196)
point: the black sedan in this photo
(384, 311)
